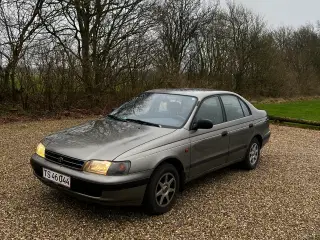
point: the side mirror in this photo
(202, 124)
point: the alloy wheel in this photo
(165, 189)
(254, 153)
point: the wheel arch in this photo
(259, 137)
(178, 165)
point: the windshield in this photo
(163, 110)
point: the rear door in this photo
(209, 147)
(240, 126)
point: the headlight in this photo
(107, 167)
(40, 150)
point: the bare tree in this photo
(98, 31)
(209, 52)
(176, 24)
(17, 31)
(245, 29)
(60, 54)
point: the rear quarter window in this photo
(245, 108)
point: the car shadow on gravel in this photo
(93, 210)
(90, 210)
(212, 177)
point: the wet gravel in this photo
(279, 200)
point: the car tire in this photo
(161, 191)
(251, 159)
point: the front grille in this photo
(64, 160)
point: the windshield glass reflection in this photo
(157, 109)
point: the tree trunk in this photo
(86, 68)
(13, 86)
(6, 81)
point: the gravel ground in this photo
(279, 200)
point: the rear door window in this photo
(232, 107)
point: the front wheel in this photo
(162, 189)
(252, 157)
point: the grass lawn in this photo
(306, 110)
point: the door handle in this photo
(225, 133)
(251, 125)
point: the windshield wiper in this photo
(116, 118)
(143, 122)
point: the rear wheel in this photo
(252, 157)
(162, 189)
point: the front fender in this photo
(150, 159)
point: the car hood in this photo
(103, 139)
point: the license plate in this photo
(57, 177)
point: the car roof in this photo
(196, 92)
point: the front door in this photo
(209, 147)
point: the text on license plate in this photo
(56, 177)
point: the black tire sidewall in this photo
(150, 202)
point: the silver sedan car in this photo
(147, 149)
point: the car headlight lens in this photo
(107, 167)
(40, 150)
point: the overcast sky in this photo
(284, 12)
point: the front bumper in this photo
(108, 190)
